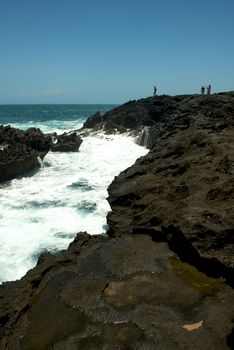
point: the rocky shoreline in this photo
(161, 278)
(123, 293)
(23, 151)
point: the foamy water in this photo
(67, 195)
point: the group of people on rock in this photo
(207, 88)
(203, 89)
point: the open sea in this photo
(67, 194)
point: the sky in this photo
(99, 51)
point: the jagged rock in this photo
(21, 151)
(164, 114)
(186, 181)
(66, 142)
(130, 115)
(93, 120)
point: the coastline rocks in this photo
(93, 120)
(146, 285)
(21, 151)
(130, 115)
(162, 115)
(183, 190)
(66, 142)
(122, 293)
(146, 137)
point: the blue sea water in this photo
(49, 118)
(66, 195)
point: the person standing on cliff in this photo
(155, 91)
(202, 90)
(208, 89)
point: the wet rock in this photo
(122, 293)
(21, 151)
(66, 142)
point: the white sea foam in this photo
(67, 195)
(58, 126)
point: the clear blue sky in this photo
(106, 51)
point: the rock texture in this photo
(19, 151)
(162, 277)
(93, 120)
(66, 142)
(183, 190)
(165, 115)
(122, 293)
(131, 115)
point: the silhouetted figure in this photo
(155, 91)
(208, 89)
(202, 90)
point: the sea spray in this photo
(67, 195)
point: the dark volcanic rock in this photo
(66, 142)
(131, 115)
(93, 120)
(183, 190)
(19, 151)
(123, 293)
(164, 114)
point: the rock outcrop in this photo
(93, 120)
(162, 277)
(164, 115)
(21, 151)
(183, 190)
(66, 142)
(131, 115)
(187, 184)
(122, 293)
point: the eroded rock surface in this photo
(122, 293)
(183, 190)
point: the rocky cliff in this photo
(163, 116)
(162, 277)
(183, 190)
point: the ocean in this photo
(44, 212)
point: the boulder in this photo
(66, 142)
(21, 151)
